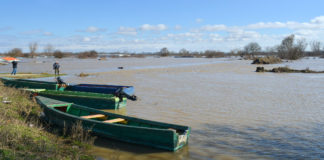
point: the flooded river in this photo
(234, 112)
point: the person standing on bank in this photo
(56, 67)
(14, 67)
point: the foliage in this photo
(164, 52)
(213, 54)
(266, 60)
(88, 54)
(289, 50)
(58, 54)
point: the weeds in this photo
(266, 60)
(83, 74)
(287, 70)
(24, 136)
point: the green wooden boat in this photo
(92, 100)
(19, 83)
(124, 128)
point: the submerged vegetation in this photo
(24, 136)
(286, 70)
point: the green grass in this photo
(28, 75)
(24, 136)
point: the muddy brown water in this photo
(234, 112)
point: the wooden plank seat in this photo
(116, 120)
(94, 116)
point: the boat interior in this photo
(69, 108)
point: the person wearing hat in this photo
(56, 67)
(14, 67)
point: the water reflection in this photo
(111, 149)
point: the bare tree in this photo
(316, 47)
(252, 48)
(287, 49)
(33, 48)
(16, 52)
(184, 52)
(48, 49)
(164, 52)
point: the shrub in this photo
(88, 54)
(16, 52)
(58, 54)
(213, 54)
(266, 60)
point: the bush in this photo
(16, 52)
(58, 54)
(88, 54)
(164, 52)
(213, 54)
(266, 60)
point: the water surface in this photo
(234, 112)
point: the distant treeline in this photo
(290, 49)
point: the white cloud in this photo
(318, 20)
(148, 27)
(177, 27)
(199, 20)
(86, 39)
(93, 29)
(127, 31)
(216, 27)
(316, 23)
(47, 33)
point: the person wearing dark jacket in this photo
(56, 67)
(14, 67)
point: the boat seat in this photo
(116, 120)
(94, 116)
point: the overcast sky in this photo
(149, 25)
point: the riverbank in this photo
(28, 75)
(24, 136)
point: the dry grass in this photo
(24, 136)
(28, 75)
(83, 74)
(266, 60)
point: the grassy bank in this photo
(286, 70)
(28, 75)
(24, 136)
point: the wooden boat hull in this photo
(92, 100)
(133, 130)
(97, 88)
(28, 84)
(120, 91)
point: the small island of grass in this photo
(286, 70)
(266, 60)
